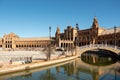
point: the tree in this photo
(48, 51)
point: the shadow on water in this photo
(99, 57)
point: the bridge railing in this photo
(99, 46)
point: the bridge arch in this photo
(111, 48)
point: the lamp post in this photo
(115, 28)
(49, 53)
(50, 32)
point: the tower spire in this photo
(57, 32)
(77, 26)
(95, 23)
(58, 29)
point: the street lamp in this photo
(50, 32)
(115, 28)
(49, 53)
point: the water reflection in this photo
(75, 70)
(99, 59)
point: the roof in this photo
(12, 34)
(84, 30)
(110, 31)
(33, 39)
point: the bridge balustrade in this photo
(99, 46)
(112, 48)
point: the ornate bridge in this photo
(112, 48)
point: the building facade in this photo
(14, 42)
(95, 35)
(71, 37)
(66, 39)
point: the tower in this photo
(76, 37)
(57, 36)
(95, 23)
(94, 30)
(77, 26)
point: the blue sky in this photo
(32, 18)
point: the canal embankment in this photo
(16, 68)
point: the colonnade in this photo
(32, 44)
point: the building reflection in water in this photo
(99, 58)
(88, 67)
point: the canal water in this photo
(88, 67)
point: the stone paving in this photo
(19, 57)
(6, 56)
(37, 56)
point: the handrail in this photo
(100, 46)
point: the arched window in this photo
(37, 46)
(61, 44)
(22, 46)
(6, 46)
(17, 46)
(29, 45)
